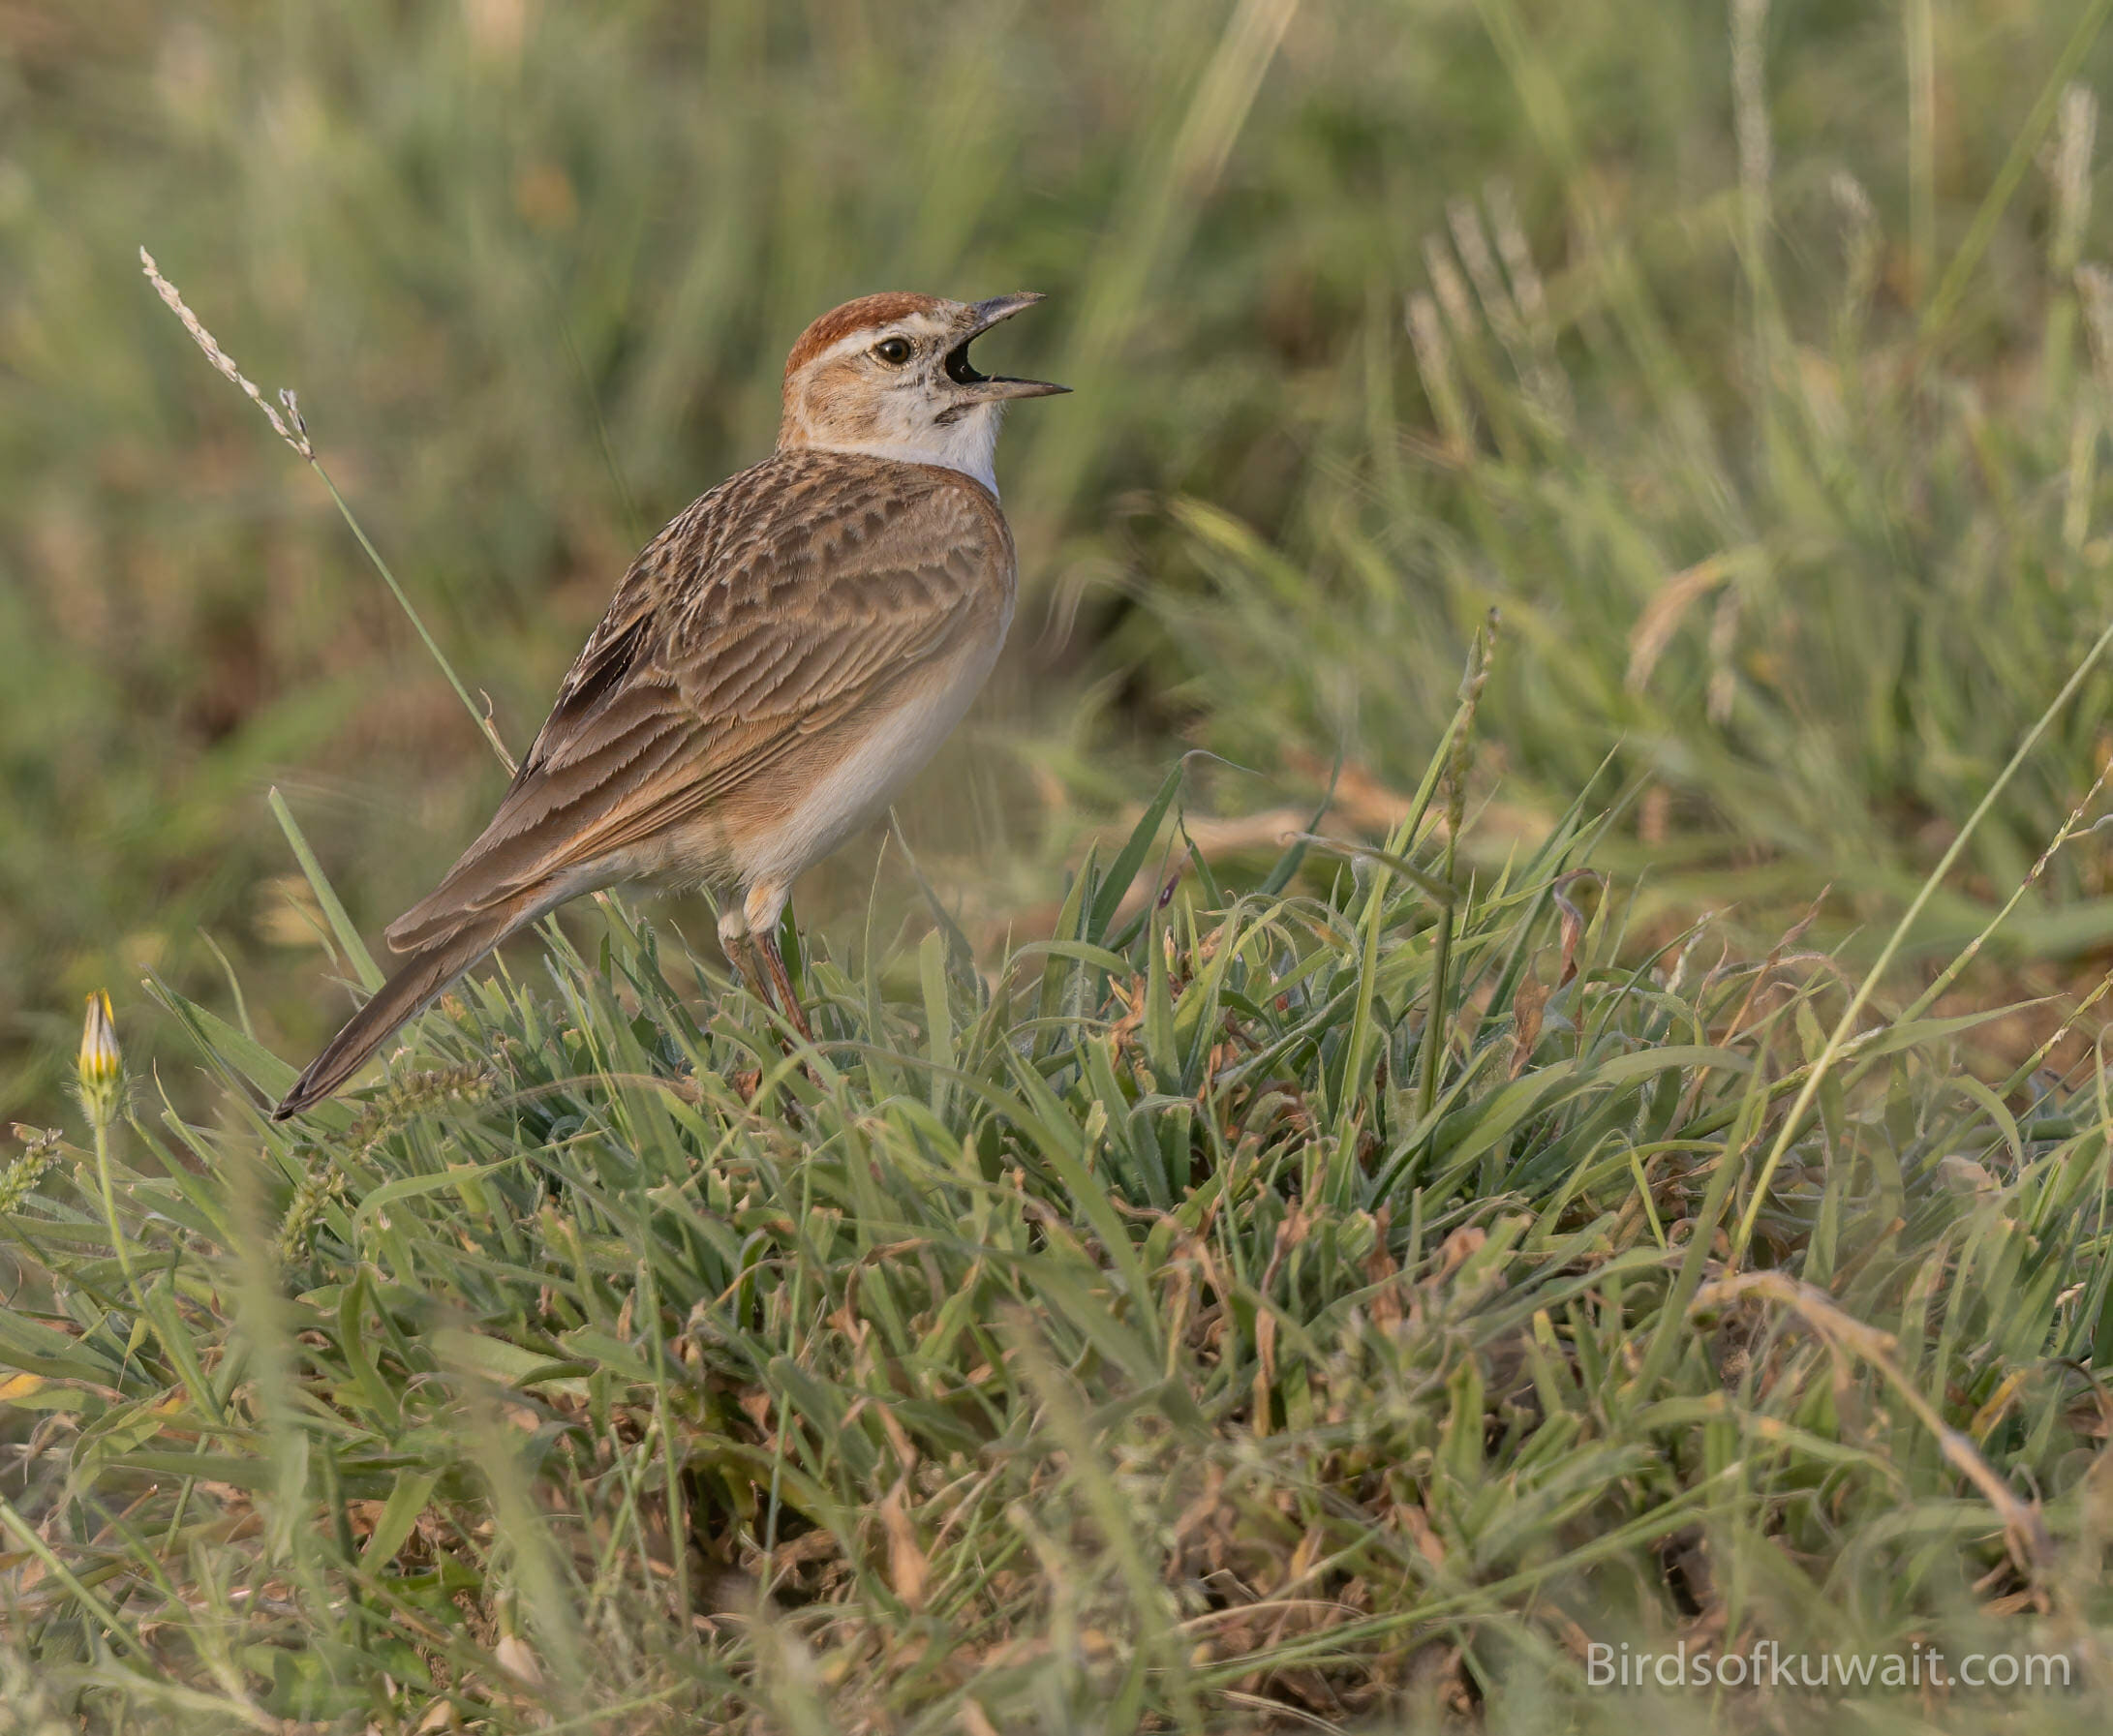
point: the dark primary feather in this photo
(415, 985)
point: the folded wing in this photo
(783, 603)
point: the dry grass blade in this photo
(2024, 1524)
(1667, 608)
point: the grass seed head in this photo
(20, 1178)
(295, 432)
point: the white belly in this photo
(861, 784)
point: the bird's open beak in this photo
(990, 388)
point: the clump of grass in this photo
(1808, 574)
(1245, 1307)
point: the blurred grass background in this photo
(1744, 357)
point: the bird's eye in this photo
(895, 351)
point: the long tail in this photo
(419, 981)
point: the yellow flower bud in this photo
(102, 1064)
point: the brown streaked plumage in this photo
(774, 664)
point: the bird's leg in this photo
(749, 962)
(738, 941)
(760, 910)
(789, 1003)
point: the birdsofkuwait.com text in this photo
(1768, 1665)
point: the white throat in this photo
(968, 444)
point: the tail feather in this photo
(416, 983)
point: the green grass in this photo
(1193, 1288)
(1257, 1301)
(1813, 587)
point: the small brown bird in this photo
(774, 666)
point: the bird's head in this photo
(890, 376)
